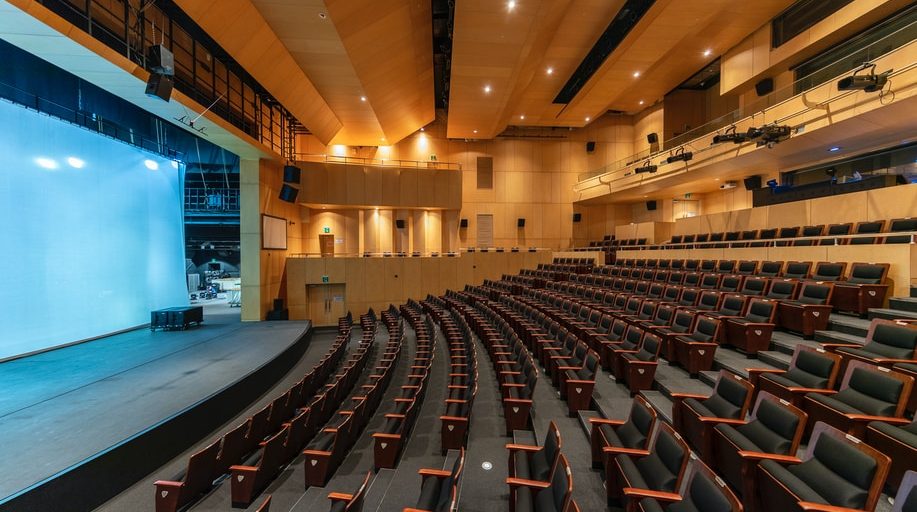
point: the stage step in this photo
(775, 359)
(903, 303)
(891, 314)
(848, 324)
(660, 402)
(786, 342)
(838, 337)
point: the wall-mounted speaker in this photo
(652, 138)
(520, 222)
(159, 86)
(651, 205)
(577, 217)
(291, 174)
(400, 223)
(765, 87)
(590, 146)
(752, 182)
(288, 193)
(463, 223)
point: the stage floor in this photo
(62, 407)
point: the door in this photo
(485, 230)
(326, 303)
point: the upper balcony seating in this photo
(770, 269)
(898, 442)
(811, 370)
(837, 230)
(341, 502)
(899, 225)
(553, 496)
(702, 491)
(633, 432)
(660, 468)
(865, 288)
(837, 470)
(533, 463)
(752, 333)
(773, 427)
(887, 342)
(439, 488)
(818, 230)
(791, 232)
(694, 416)
(810, 311)
(867, 393)
(867, 227)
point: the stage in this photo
(77, 421)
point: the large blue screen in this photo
(91, 233)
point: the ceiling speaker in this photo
(463, 223)
(288, 193)
(765, 87)
(159, 86)
(652, 138)
(399, 223)
(590, 146)
(520, 222)
(577, 217)
(651, 205)
(160, 60)
(752, 182)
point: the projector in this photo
(728, 185)
(866, 83)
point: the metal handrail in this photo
(408, 254)
(762, 105)
(770, 242)
(377, 162)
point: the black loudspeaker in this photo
(520, 223)
(651, 205)
(463, 223)
(765, 87)
(399, 223)
(278, 304)
(652, 138)
(288, 193)
(590, 146)
(291, 174)
(752, 182)
(159, 86)
(577, 217)
(160, 60)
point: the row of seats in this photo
(391, 439)
(330, 446)
(299, 411)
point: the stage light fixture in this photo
(773, 134)
(46, 163)
(680, 156)
(151, 165)
(866, 82)
(75, 162)
(646, 167)
(730, 135)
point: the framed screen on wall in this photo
(273, 233)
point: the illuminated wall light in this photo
(641, 102)
(549, 71)
(151, 165)
(362, 98)
(522, 117)
(708, 53)
(339, 150)
(75, 162)
(510, 5)
(423, 141)
(487, 89)
(588, 119)
(46, 163)
(636, 74)
(474, 131)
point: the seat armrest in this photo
(834, 346)
(339, 496)
(884, 419)
(817, 391)
(727, 421)
(746, 454)
(818, 507)
(439, 473)
(669, 497)
(522, 448)
(689, 395)
(531, 484)
(635, 452)
(603, 421)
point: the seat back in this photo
(552, 445)
(706, 491)
(761, 311)
(797, 269)
(708, 266)
(816, 292)
(747, 267)
(775, 425)
(754, 286)
(683, 321)
(632, 337)
(892, 339)
(731, 396)
(731, 236)
(726, 266)
(867, 227)
(649, 348)
(817, 230)
(770, 268)
(733, 305)
(875, 390)
(355, 503)
(202, 470)
(836, 229)
(898, 225)
(825, 271)
(689, 297)
(731, 283)
(561, 488)
(782, 289)
(635, 431)
(868, 273)
(705, 329)
(671, 453)
(691, 279)
(709, 300)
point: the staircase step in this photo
(775, 359)
(375, 493)
(709, 378)
(673, 379)
(848, 324)
(838, 337)
(786, 342)
(903, 303)
(891, 314)
(584, 420)
(660, 402)
(736, 362)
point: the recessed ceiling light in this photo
(716, 179)
(362, 98)
(708, 52)
(322, 15)
(382, 139)
(487, 89)
(588, 119)
(521, 116)
(151, 165)
(75, 162)
(474, 131)
(421, 128)
(834, 149)
(641, 102)
(510, 5)
(549, 71)
(636, 74)
(47, 163)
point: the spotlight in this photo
(730, 135)
(647, 167)
(151, 165)
(867, 82)
(680, 156)
(46, 163)
(75, 162)
(773, 134)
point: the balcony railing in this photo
(377, 162)
(212, 200)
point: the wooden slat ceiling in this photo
(512, 49)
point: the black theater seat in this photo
(704, 492)
(533, 463)
(865, 288)
(634, 432)
(887, 342)
(341, 502)
(898, 442)
(837, 230)
(811, 370)
(553, 496)
(438, 488)
(660, 468)
(694, 416)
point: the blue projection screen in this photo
(91, 233)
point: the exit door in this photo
(326, 303)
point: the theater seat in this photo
(660, 468)
(703, 491)
(438, 488)
(811, 370)
(638, 369)
(810, 311)
(172, 495)
(899, 442)
(837, 230)
(887, 342)
(553, 496)
(818, 230)
(797, 270)
(770, 269)
(695, 351)
(250, 479)
(634, 432)
(865, 288)
(694, 416)
(774, 427)
(906, 499)
(341, 502)
(837, 470)
(827, 271)
(752, 333)
(867, 393)
(867, 227)
(533, 463)
(577, 383)
(899, 225)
